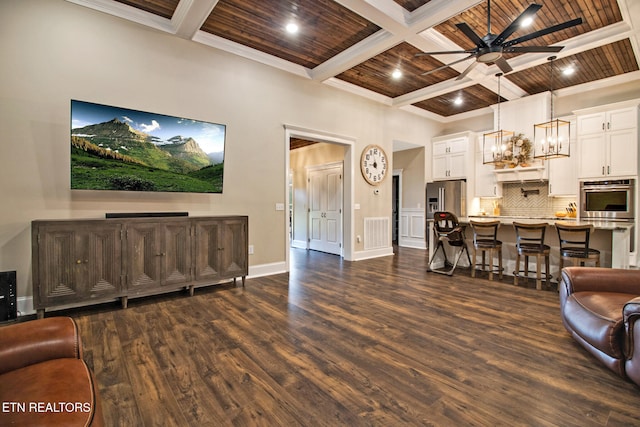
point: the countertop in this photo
(597, 224)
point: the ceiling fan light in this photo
(489, 55)
(527, 21)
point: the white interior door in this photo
(325, 209)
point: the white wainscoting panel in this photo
(411, 231)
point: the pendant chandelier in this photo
(552, 138)
(494, 144)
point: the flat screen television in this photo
(114, 148)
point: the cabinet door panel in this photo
(440, 148)
(457, 165)
(592, 156)
(591, 123)
(207, 235)
(622, 155)
(440, 167)
(144, 255)
(233, 251)
(458, 145)
(103, 269)
(626, 118)
(57, 263)
(176, 254)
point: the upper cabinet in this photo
(608, 141)
(486, 182)
(563, 172)
(450, 156)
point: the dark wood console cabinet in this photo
(83, 262)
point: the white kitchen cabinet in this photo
(608, 141)
(486, 183)
(450, 157)
(563, 172)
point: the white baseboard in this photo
(372, 253)
(412, 243)
(266, 269)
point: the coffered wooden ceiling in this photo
(356, 45)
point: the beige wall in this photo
(55, 51)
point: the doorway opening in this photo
(293, 175)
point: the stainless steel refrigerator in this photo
(449, 196)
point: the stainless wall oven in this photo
(610, 200)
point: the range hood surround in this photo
(537, 173)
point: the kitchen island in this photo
(611, 238)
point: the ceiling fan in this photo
(490, 48)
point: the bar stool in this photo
(485, 238)
(530, 242)
(574, 244)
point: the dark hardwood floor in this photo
(334, 343)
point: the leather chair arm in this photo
(593, 279)
(28, 343)
(631, 316)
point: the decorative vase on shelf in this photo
(499, 165)
(524, 165)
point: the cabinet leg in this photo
(191, 290)
(243, 278)
(234, 281)
(40, 313)
(124, 301)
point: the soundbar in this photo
(144, 214)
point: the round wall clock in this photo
(374, 164)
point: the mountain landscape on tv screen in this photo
(114, 156)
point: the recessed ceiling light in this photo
(458, 101)
(292, 28)
(568, 71)
(396, 74)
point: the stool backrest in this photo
(485, 231)
(530, 235)
(575, 237)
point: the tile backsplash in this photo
(514, 202)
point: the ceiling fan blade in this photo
(517, 23)
(446, 52)
(533, 49)
(465, 72)
(540, 33)
(447, 65)
(503, 65)
(476, 39)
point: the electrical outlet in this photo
(250, 249)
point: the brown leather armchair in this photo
(43, 379)
(600, 308)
